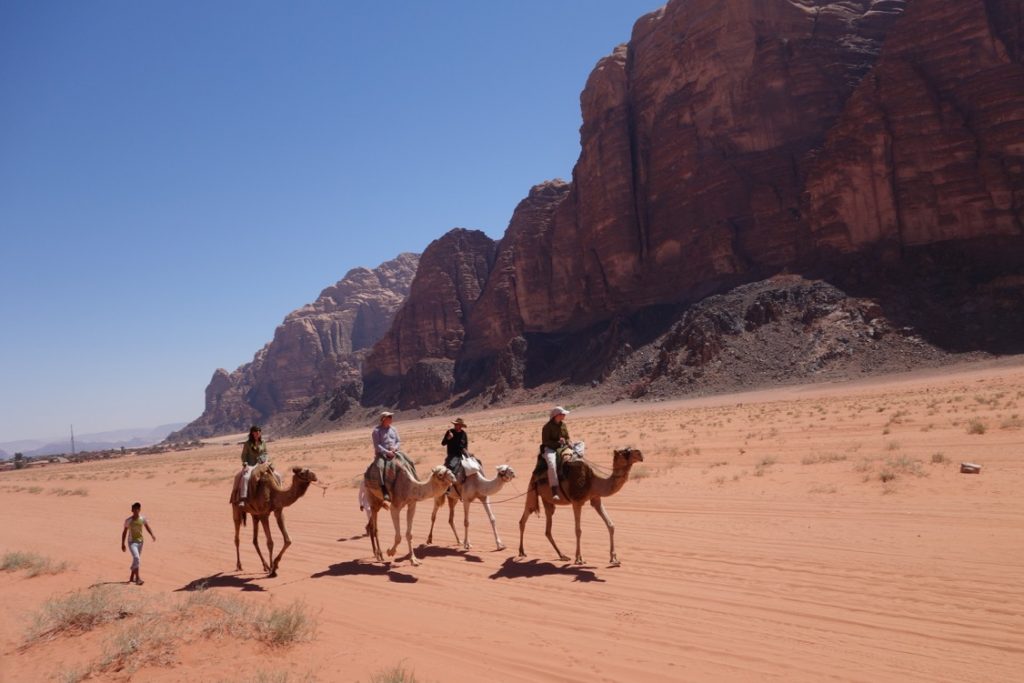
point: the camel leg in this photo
(238, 526)
(371, 529)
(577, 511)
(528, 507)
(465, 522)
(395, 517)
(451, 520)
(409, 513)
(494, 523)
(599, 506)
(265, 523)
(549, 514)
(256, 521)
(438, 502)
(279, 515)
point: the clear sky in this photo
(177, 177)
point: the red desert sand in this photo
(809, 533)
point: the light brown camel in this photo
(476, 487)
(580, 485)
(405, 492)
(267, 496)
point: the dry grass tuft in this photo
(33, 564)
(818, 459)
(395, 674)
(976, 427)
(79, 612)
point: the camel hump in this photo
(577, 478)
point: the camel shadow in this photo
(440, 551)
(221, 580)
(352, 538)
(516, 569)
(360, 568)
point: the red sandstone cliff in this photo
(413, 363)
(732, 140)
(317, 350)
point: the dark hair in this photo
(136, 505)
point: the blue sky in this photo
(175, 178)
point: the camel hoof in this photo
(522, 554)
(563, 558)
(614, 563)
(501, 546)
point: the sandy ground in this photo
(806, 534)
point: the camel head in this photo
(443, 474)
(505, 473)
(302, 474)
(626, 457)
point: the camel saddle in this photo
(390, 470)
(259, 473)
(574, 474)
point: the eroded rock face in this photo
(413, 363)
(930, 146)
(732, 140)
(316, 351)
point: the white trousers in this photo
(549, 455)
(245, 480)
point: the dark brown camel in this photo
(582, 484)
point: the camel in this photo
(476, 487)
(267, 495)
(581, 484)
(405, 492)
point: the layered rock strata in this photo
(317, 350)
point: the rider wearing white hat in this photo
(554, 436)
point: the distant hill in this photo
(138, 437)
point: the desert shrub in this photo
(639, 472)
(976, 427)
(886, 475)
(904, 465)
(816, 459)
(394, 674)
(285, 625)
(33, 564)
(79, 612)
(149, 643)
(1012, 422)
(938, 458)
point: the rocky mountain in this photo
(414, 362)
(850, 172)
(316, 351)
(877, 144)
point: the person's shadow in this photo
(221, 580)
(360, 568)
(518, 569)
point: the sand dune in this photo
(805, 534)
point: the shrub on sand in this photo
(33, 564)
(394, 674)
(285, 625)
(79, 612)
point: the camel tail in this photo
(243, 517)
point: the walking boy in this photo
(135, 524)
